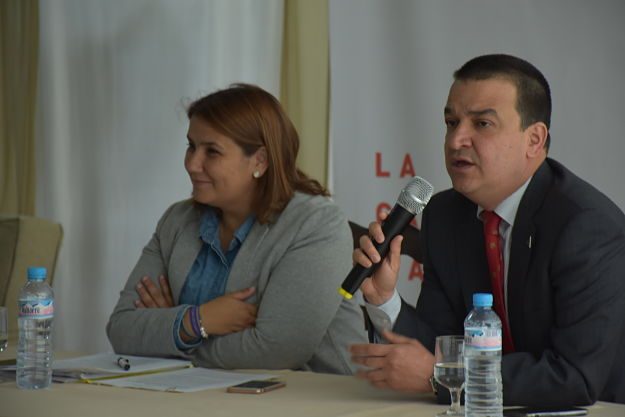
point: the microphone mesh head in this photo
(415, 195)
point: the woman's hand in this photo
(229, 313)
(151, 296)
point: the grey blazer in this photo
(296, 264)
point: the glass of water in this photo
(449, 370)
(4, 331)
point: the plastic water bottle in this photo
(482, 359)
(35, 314)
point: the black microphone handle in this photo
(396, 221)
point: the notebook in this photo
(110, 365)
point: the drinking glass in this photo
(449, 370)
(4, 331)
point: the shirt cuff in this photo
(180, 344)
(385, 315)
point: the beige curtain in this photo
(305, 81)
(19, 40)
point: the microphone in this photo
(412, 200)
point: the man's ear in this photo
(536, 138)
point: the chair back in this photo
(411, 245)
(24, 241)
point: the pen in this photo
(123, 363)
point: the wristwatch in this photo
(434, 385)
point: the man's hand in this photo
(379, 288)
(403, 365)
(151, 296)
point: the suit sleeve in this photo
(587, 273)
(144, 331)
(434, 314)
(298, 304)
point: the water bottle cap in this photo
(37, 273)
(482, 299)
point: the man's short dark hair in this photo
(533, 92)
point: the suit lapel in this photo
(184, 253)
(242, 275)
(523, 241)
(470, 253)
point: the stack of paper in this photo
(184, 380)
(103, 366)
(160, 374)
(106, 365)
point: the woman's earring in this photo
(256, 174)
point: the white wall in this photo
(392, 65)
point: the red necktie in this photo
(494, 255)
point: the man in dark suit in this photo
(562, 247)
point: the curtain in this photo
(305, 81)
(19, 39)
(115, 78)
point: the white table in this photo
(306, 394)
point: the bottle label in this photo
(482, 338)
(37, 309)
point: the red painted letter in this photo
(406, 168)
(416, 271)
(378, 166)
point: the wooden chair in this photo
(24, 241)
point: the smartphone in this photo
(545, 412)
(255, 387)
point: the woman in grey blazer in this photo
(246, 272)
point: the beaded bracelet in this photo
(186, 332)
(199, 321)
(195, 325)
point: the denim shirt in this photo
(209, 274)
